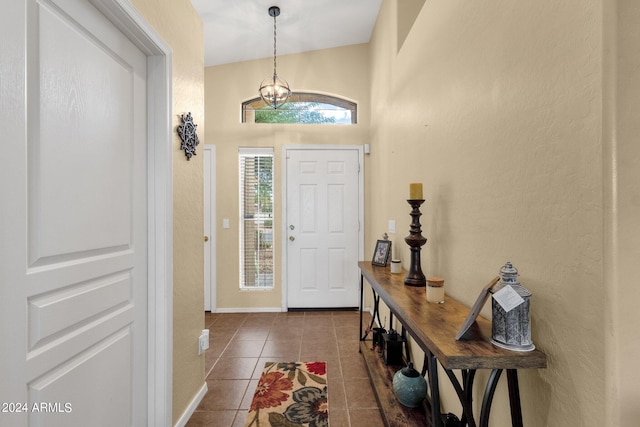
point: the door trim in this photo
(210, 227)
(284, 234)
(160, 204)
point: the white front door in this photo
(73, 256)
(323, 238)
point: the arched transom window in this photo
(302, 108)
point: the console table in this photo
(433, 327)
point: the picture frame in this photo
(475, 310)
(382, 253)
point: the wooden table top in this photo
(434, 326)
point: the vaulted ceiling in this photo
(241, 30)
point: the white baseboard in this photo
(249, 310)
(182, 421)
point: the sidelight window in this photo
(256, 218)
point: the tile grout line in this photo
(221, 353)
(341, 352)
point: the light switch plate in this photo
(392, 226)
(225, 223)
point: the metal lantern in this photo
(511, 329)
(392, 348)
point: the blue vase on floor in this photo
(409, 387)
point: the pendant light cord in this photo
(274, 91)
(274, 47)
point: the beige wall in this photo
(342, 72)
(497, 108)
(179, 25)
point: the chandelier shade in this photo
(274, 91)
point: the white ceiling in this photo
(241, 30)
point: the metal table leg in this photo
(467, 381)
(464, 395)
(488, 397)
(361, 306)
(514, 398)
(376, 312)
(434, 390)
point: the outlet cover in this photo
(203, 341)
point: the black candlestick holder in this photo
(415, 276)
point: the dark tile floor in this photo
(240, 343)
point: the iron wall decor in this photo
(188, 135)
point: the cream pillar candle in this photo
(396, 266)
(435, 289)
(415, 191)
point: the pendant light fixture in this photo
(274, 90)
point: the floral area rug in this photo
(290, 394)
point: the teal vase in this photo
(409, 387)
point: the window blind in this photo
(256, 218)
